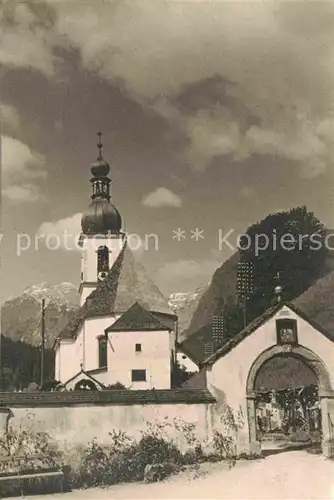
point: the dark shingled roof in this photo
(107, 397)
(87, 374)
(136, 319)
(255, 324)
(197, 381)
(127, 283)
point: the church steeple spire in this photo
(100, 170)
(101, 216)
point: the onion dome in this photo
(100, 168)
(101, 217)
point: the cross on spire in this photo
(99, 144)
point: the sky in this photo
(214, 114)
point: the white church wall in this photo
(170, 323)
(66, 360)
(186, 362)
(57, 363)
(94, 328)
(155, 358)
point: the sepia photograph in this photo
(167, 249)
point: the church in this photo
(124, 333)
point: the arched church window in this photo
(103, 259)
(103, 356)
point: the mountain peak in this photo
(62, 300)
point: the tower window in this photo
(103, 356)
(103, 259)
(138, 347)
(138, 375)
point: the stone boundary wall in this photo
(75, 418)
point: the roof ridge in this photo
(130, 316)
(127, 282)
(83, 311)
(248, 329)
(260, 320)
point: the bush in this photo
(31, 452)
(124, 460)
(152, 450)
(116, 387)
(26, 443)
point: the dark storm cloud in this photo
(278, 57)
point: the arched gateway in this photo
(315, 365)
(281, 353)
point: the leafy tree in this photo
(20, 364)
(116, 387)
(51, 385)
(290, 243)
(233, 319)
(180, 375)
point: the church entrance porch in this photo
(286, 401)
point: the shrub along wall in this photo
(106, 438)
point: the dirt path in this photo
(290, 476)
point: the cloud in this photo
(23, 170)
(23, 194)
(276, 56)
(188, 271)
(9, 116)
(63, 233)
(248, 192)
(162, 197)
(26, 40)
(163, 48)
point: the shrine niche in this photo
(286, 330)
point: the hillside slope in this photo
(21, 315)
(184, 305)
(222, 289)
(318, 302)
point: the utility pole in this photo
(43, 343)
(1, 384)
(2, 73)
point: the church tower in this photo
(102, 238)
